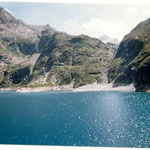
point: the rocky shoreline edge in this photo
(89, 87)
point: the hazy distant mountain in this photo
(107, 39)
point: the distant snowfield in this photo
(18, 147)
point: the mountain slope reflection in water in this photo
(114, 119)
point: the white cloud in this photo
(112, 20)
(97, 27)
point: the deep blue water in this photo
(115, 119)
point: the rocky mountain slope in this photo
(132, 60)
(40, 56)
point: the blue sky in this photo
(92, 20)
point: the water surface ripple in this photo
(108, 119)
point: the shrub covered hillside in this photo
(132, 61)
(69, 59)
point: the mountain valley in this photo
(35, 56)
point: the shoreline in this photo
(85, 88)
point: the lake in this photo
(103, 119)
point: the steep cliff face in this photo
(16, 77)
(132, 61)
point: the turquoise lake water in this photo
(106, 119)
